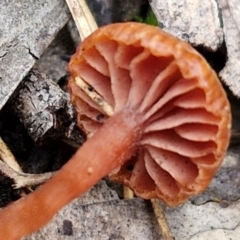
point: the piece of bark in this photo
(196, 22)
(27, 28)
(231, 27)
(45, 109)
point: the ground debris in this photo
(27, 29)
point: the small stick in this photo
(127, 193)
(106, 108)
(83, 17)
(162, 221)
(24, 179)
(10, 167)
(7, 156)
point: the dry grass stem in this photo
(127, 193)
(162, 221)
(10, 167)
(7, 156)
(24, 179)
(83, 17)
(106, 108)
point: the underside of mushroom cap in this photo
(185, 112)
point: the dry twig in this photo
(10, 167)
(83, 17)
(7, 157)
(162, 221)
(24, 179)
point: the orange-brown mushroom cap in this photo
(185, 113)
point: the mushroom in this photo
(181, 111)
(167, 133)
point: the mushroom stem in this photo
(107, 149)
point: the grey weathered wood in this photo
(231, 27)
(26, 30)
(195, 21)
(101, 215)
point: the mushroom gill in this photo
(184, 111)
